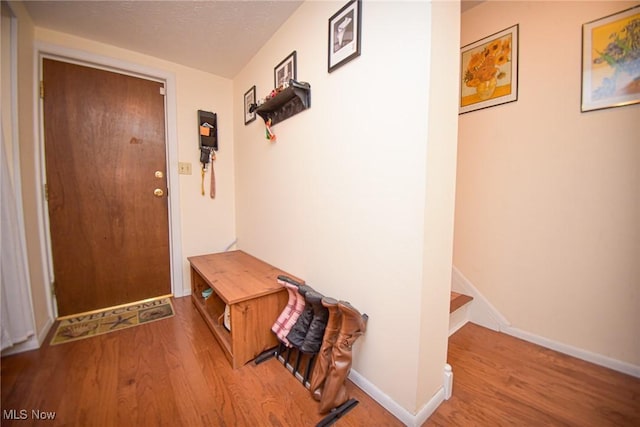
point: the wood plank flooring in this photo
(173, 373)
(503, 381)
(166, 373)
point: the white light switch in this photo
(184, 168)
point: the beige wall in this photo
(340, 198)
(547, 220)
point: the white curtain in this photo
(15, 304)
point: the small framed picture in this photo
(344, 34)
(285, 71)
(489, 71)
(611, 61)
(249, 100)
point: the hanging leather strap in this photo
(202, 180)
(213, 176)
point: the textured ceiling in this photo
(216, 36)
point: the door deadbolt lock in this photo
(159, 174)
(158, 192)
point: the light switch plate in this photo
(184, 168)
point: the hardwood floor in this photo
(503, 381)
(167, 373)
(172, 372)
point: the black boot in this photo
(313, 339)
(299, 330)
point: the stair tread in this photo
(458, 300)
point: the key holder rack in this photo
(285, 103)
(208, 130)
(208, 143)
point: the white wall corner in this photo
(406, 417)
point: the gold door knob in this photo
(158, 192)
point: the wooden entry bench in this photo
(249, 288)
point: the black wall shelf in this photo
(289, 102)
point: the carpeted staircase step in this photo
(458, 300)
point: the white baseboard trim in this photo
(428, 409)
(595, 358)
(484, 314)
(390, 405)
(376, 394)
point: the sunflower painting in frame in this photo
(489, 71)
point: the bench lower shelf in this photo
(254, 298)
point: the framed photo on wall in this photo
(285, 70)
(489, 71)
(344, 34)
(611, 61)
(249, 100)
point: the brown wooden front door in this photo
(105, 156)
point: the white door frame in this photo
(46, 50)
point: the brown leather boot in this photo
(323, 359)
(334, 392)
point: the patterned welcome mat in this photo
(80, 326)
